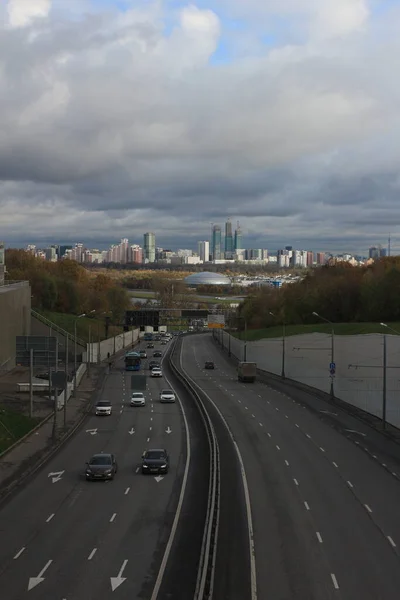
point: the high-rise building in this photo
(216, 243)
(149, 247)
(376, 252)
(228, 240)
(310, 258)
(51, 254)
(204, 250)
(238, 238)
(321, 258)
(135, 254)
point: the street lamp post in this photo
(283, 345)
(75, 322)
(332, 392)
(245, 341)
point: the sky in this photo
(119, 117)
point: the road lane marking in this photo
(150, 428)
(128, 488)
(277, 447)
(254, 416)
(268, 434)
(350, 484)
(50, 518)
(297, 425)
(307, 505)
(309, 436)
(334, 580)
(319, 537)
(295, 481)
(391, 541)
(19, 553)
(148, 439)
(137, 469)
(246, 408)
(260, 424)
(34, 581)
(151, 418)
(113, 517)
(286, 463)
(286, 417)
(368, 508)
(276, 408)
(335, 465)
(93, 552)
(322, 450)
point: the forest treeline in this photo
(341, 293)
(66, 286)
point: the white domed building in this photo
(207, 278)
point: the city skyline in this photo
(271, 122)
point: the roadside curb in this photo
(54, 448)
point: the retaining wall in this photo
(359, 366)
(98, 352)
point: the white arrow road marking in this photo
(34, 581)
(56, 476)
(158, 478)
(91, 431)
(116, 581)
(354, 431)
(131, 431)
(168, 430)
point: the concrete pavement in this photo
(325, 511)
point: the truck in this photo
(247, 371)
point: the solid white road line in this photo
(113, 517)
(128, 488)
(178, 508)
(19, 553)
(391, 541)
(93, 552)
(49, 518)
(319, 537)
(334, 581)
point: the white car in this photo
(103, 407)
(137, 399)
(156, 372)
(167, 396)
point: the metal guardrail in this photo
(15, 283)
(205, 574)
(57, 328)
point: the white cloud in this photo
(22, 12)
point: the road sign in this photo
(332, 365)
(332, 371)
(44, 350)
(58, 379)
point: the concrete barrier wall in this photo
(70, 386)
(99, 351)
(359, 366)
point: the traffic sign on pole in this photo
(332, 371)
(332, 365)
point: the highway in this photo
(324, 511)
(65, 538)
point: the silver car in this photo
(103, 408)
(138, 399)
(167, 396)
(156, 372)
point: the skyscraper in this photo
(216, 243)
(228, 239)
(149, 247)
(204, 251)
(238, 238)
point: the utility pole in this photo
(31, 382)
(66, 382)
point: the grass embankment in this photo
(195, 299)
(13, 426)
(339, 329)
(83, 325)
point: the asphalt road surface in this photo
(325, 512)
(65, 538)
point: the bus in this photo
(132, 361)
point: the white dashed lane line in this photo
(49, 518)
(319, 537)
(286, 463)
(93, 552)
(295, 481)
(19, 553)
(369, 509)
(334, 581)
(307, 505)
(350, 484)
(391, 541)
(113, 517)
(128, 488)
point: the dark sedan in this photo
(153, 363)
(157, 354)
(155, 461)
(209, 364)
(101, 466)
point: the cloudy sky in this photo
(124, 116)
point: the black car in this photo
(155, 461)
(151, 345)
(209, 364)
(157, 354)
(153, 363)
(101, 466)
